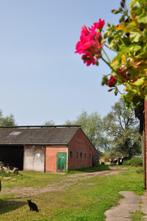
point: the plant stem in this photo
(109, 47)
(108, 64)
(119, 91)
(106, 55)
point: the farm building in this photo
(46, 148)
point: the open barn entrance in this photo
(12, 155)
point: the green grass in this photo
(99, 167)
(31, 179)
(86, 200)
(37, 179)
(137, 216)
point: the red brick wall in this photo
(50, 157)
(80, 144)
(145, 143)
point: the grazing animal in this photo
(32, 206)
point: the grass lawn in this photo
(86, 200)
(31, 179)
(37, 179)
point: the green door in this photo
(61, 161)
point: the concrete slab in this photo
(126, 206)
(143, 206)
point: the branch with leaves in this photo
(128, 39)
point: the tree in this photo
(118, 131)
(121, 130)
(49, 123)
(91, 125)
(7, 121)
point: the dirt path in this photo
(60, 186)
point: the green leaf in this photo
(134, 49)
(143, 53)
(122, 3)
(104, 80)
(122, 18)
(139, 82)
(142, 19)
(135, 36)
(114, 11)
(116, 91)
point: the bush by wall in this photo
(134, 161)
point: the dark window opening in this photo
(81, 155)
(71, 155)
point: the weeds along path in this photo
(60, 186)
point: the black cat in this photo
(32, 206)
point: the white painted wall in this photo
(34, 158)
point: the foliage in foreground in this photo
(128, 39)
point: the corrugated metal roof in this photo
(37, 135)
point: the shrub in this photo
(134, 161)
(98, 167)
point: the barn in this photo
(46, 148)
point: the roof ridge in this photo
(41, 126)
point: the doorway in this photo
(61, 161)
(12, 155)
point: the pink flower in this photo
(83, 46)
(98, 25)
(84, 31)
(90, 43)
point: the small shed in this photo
(46, 148)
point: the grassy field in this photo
(84, 200)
